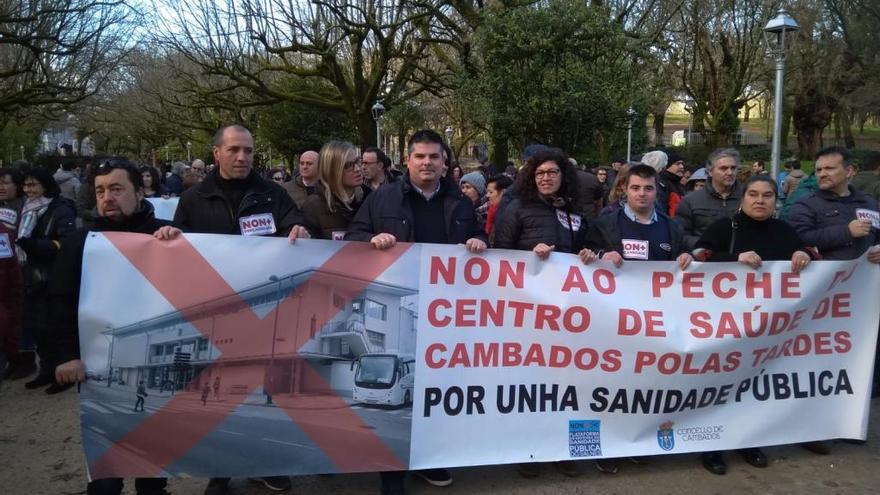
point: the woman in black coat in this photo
(45, 219)
(751, 237)
(328, 213)
(542, 218)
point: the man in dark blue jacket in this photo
(422, 207)
(841, 222)
(638, 231)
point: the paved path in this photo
(40, 453)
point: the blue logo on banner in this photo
(665, 436)
(584, 438)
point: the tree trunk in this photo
(366, 127)
(401, 145)
(659, 119)
(500, 151)
(808, 142)
(846, 118)
(747, 109)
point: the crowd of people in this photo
(655, 208)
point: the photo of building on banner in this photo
(309, 370)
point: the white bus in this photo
(384, 379)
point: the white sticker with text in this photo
(866, 214)
(5, 246)
(8, 216)
(262, 224)
(563, 219)
(634, 249)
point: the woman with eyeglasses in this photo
(46, 217)
(329, 212)
(543, 217)
(278, 175)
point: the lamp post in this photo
(689, 106)
(378, 111)
(630, 120)
(271, 370)
(21, 149)
(167, 155)
(778, 33)
(188, 151)
(449, 131)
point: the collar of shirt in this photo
(632, 215)
(430, 195)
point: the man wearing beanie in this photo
(670, 191)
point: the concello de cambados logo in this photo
(665, 436)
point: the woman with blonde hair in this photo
(339, 194)
(617, 193)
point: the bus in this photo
(383, 379)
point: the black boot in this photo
(22, 366)
(714, 463)
(57, 388)
(39, 381)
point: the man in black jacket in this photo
(121, 208)
(235, 200)
(422, 207)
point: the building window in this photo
(203, 344)
(377, 341)
(338, 301)
(157, 350)
(377, 310)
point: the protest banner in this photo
(255, 357)
(164, 208)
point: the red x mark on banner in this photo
(186, 279)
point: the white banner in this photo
(521, 360)
(164, 208)
(251, 356)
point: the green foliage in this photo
(292, 127)
(560, 73)
(18, 133)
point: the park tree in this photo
(363, 51)
(560, 73)
(718, 52)
(56, 53)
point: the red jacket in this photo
(11, 294)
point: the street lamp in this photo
(378, 111)
(271, 374)
(630, 120)
(188, 151)
(167, 155)
(21, 149)
(449, 131)
(689, 105)
(779, 35)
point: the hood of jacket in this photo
(62, 176)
